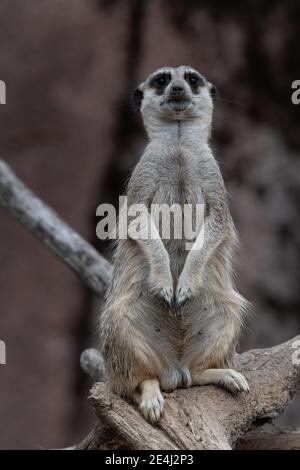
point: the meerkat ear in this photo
(138, 96)
(212, 91)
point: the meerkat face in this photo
(179, 93)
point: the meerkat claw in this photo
(165, 293)
(152, 406)
(182, 297)
(167, 296)
(234, 382)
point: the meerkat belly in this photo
(176, 199)
(195, 337)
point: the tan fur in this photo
(143, 339)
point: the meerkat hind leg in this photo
(151, 402)
(227, 378)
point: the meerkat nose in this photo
(177, 89)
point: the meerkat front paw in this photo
(184, 292)
(162, 287)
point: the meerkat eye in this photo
(194, 80)
(160, 81)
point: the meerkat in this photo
(172, 317)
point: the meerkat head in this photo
(175, 94)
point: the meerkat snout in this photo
(177, 91)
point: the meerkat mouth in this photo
(178, 104)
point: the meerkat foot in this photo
(227, 378)
(152, 401)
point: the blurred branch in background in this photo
(276, 438)
(92, 268)
(220, 420)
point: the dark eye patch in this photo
(160, 81)
(194, 80)
(137, 98)
(213, 92)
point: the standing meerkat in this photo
(172, 317)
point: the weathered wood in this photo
(123, 421)
(207, 417)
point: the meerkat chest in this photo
(179, 180)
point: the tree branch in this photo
(205, 417)
(92, 268)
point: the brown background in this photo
(69, 132)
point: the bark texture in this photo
(204, 417)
